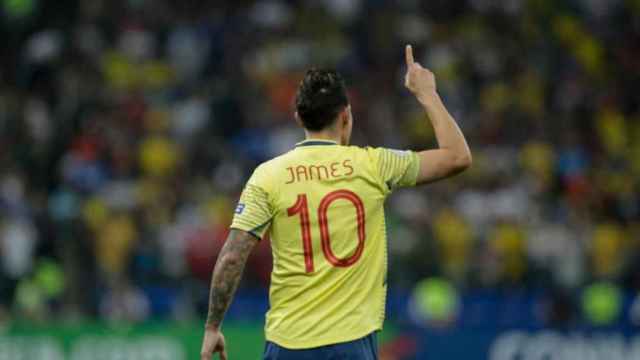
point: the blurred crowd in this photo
(128, 128)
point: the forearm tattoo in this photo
(227, 274)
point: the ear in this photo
(344, 116)
(297, 117)
(347, 115)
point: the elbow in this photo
(463, 162)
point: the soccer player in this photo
(322, 204)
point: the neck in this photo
(322, 135)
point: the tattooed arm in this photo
(224, 282)
(227, 274)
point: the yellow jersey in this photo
(323, 205)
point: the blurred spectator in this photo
(128, 128)
(124, 303)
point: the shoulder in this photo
(265, 173)
(366, 150)
(370, 153)
(275, 163)
(383, 154)
(359, 150)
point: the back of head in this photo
(321, 96)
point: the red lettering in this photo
(347, 165)
(301, 170)
(301, 207)
(318, 168)
(319, 172)
(334, 169)
(324, 227)
(293, 177)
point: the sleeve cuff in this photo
(256, 235)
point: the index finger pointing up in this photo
(408, 53)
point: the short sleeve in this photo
(254, 212)
(397, 168)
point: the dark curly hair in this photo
(321, 96)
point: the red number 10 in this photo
(302, 207)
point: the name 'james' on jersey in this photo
(323, 206)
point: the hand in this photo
(212, 343)
(420, 81)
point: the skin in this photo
(452, 157)
(224, 282)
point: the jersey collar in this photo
(312, 142)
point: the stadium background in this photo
(127, 129)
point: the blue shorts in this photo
(365, 348)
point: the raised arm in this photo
(453, 155)
(224, 282)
